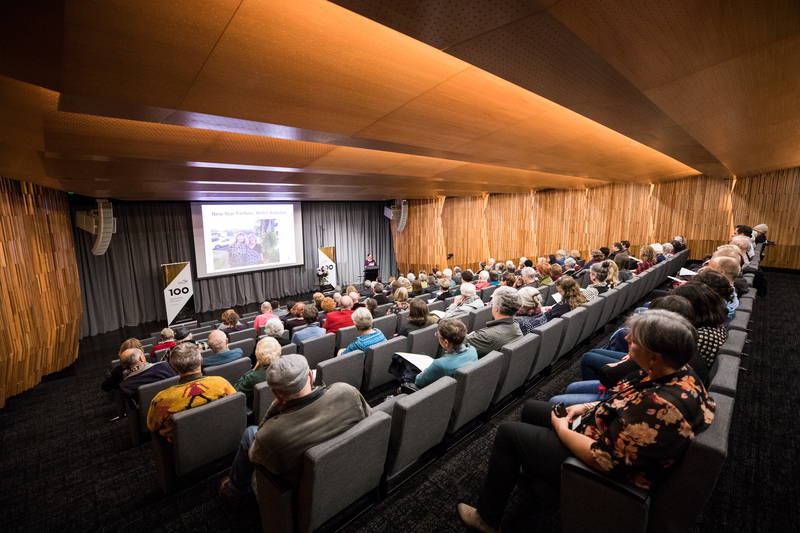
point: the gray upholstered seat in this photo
(610, 505)
(551, 334)
(379, 357)
(437, 306)
(740, 322)
(482, 316)
(345, 336)
(735, 343)
(249, 333)
(746, 302)
(381, 309)
(346, 368)
(424, 341)
(611, 297)
(318, 349)
(248, 346)
(633, 291)
(336, 473)
(487, 293)
(574, 321)
(230, 371)
(289, 348)
(402, 320)
(545, 291)
(593, 311)
(723, 376)
(262, 399)
(387, 324)
(449, 301)
(624, 290)
(468, 320)
(518, 358)
(419, 422)
(475, 387)
(193, 444)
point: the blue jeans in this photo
(593, 360)
(579, 392)
(242, 469)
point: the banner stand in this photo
(176, 278)
(326, 273)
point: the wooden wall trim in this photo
(41, 309)
(536, 224)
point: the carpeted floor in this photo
(66, 467)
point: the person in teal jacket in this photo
(451, 333)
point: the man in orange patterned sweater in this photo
(193, 390)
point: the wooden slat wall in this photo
(41, 309)
(772, 198)
(701, 209)
(464, 230)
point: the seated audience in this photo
(372, 306)
(416, 289)
(530, 315)
(287, 313)
(760, 233)
(616, 248)
(605, 251)
(527, 278)
(233, 324)
(377, 294)
(729, 267)
(508, 280)
(744, 244)
(418, 317)
(597, 257)
(679, 243)
(367, 336)
(571, 297)
(662, 343)
(503, 329)
(555, 272)
(340, 319)
(444, 287)
(400, 302)
(328, 306)
(722, 287)
(597, 274)
(366, 291)
(312, 329)
(193, 390)
(432, 287)
(544, 271)
(561, 256)
(274, 328)
(569, 267)
(218, 343)
(647, 259)
(355, 297)
(118, 372)
(297, 420)
(167, 341)
(659, 251)
(613, 273)
(138, 372)
(296, 318)
(669, 250)
(465, 302)
(267, 351)
(622, 261)
(277, 310)
(318, 297)
(483, 280)
(494, 279)
(451, 333)
(266, 314)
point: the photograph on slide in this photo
(236, 247)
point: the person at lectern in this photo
(369, 262)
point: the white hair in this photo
(528, 272)
(411, 276)
(468, 289)
(483, 275)
(562, 253)
(510, 263)
(447, 273)
(657, 248)
(216, 340)
(273, 327)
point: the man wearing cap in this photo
(167, 341)
(301, 416)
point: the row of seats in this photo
(609, 504)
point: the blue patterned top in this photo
(365, 341)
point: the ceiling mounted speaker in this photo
(398, 212)
(403, 216)
(100, 222)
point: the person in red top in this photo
(647, 258)
(266, 314)
(340, 319)
(483, 276)
(167, 341)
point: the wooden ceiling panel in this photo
(314, 65)
(356, 160)
(146, 52)
(266, 151)
(423, 167)
(21, 113)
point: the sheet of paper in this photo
(418, 360)
(576, 423)
(631, 257)
(438, 313)
(556, 296)
(687, 272)
(676, 279)
(431, 300)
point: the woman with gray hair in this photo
(503, 329)
(362, 319)
(638, 433)
(598, 273)
(274, 328)
(267, 350)
(465, 302)
(669, 250)
(530, 315)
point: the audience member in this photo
(298, 419)
(483, 280)
(571, 297)
(544, 270)
(527, 278)
(597, 257)
(530, 315)
(372, 306)
(616, 248)
(561, 256)
(508, 280)
(679, 243)
(193, 390)
(274, 328)
(138, 372)
(597, 274)
(367, 290)
(669, 250)
(451, 333)
(659, 251)
(622, 261)
(605, 251)
(266, 314)
(218, 343)
(400, 302)
(418, 317)
(569, 267)
(494, 278)
(465, 302)
(267, 351)
(760, 233)
(555, 272)
(503, 329)
(613, 273)
(233, 324)
(647, 258)
(367, 336)
(340, 319)
(312, 329)
(378, 296)
(416, 289)
(729, 267)
(167, 341)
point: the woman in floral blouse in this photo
(637, 433)
(400, 301)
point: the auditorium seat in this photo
(746, 301)
(633, 290)
(345, 336)
(610, 505)
(318, 349)
(573, 325)
(481, 317)
(723, 376)
(741, 321)
(336, 473)
(611, 297)
(289, 348)
(387, 324)
(551, 334)
(449, 301)
(194, 444)
(475, 387)
(424, 341)
(594, 309)
(518, 358)
(381, 309)
(402, 320)
(419, 422)
(487, 293)
(230, 371)
(262, 399)
(468, 320)
(437, 306)
(735, 343)
(346, 368)
(249, 333)
(624, 290)
(248, 346)
(376, 364)
(545, 292)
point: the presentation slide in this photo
(234, 238)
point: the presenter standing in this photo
(369, 262)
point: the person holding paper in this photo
(647, 259)
(569, 296)
(638, 433)
(451, 334)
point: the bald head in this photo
(726, 266)
(131, 358)
(346, 303)
(354, 296)
(217, 341)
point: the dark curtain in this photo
(123, 287)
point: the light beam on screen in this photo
(232, 238)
